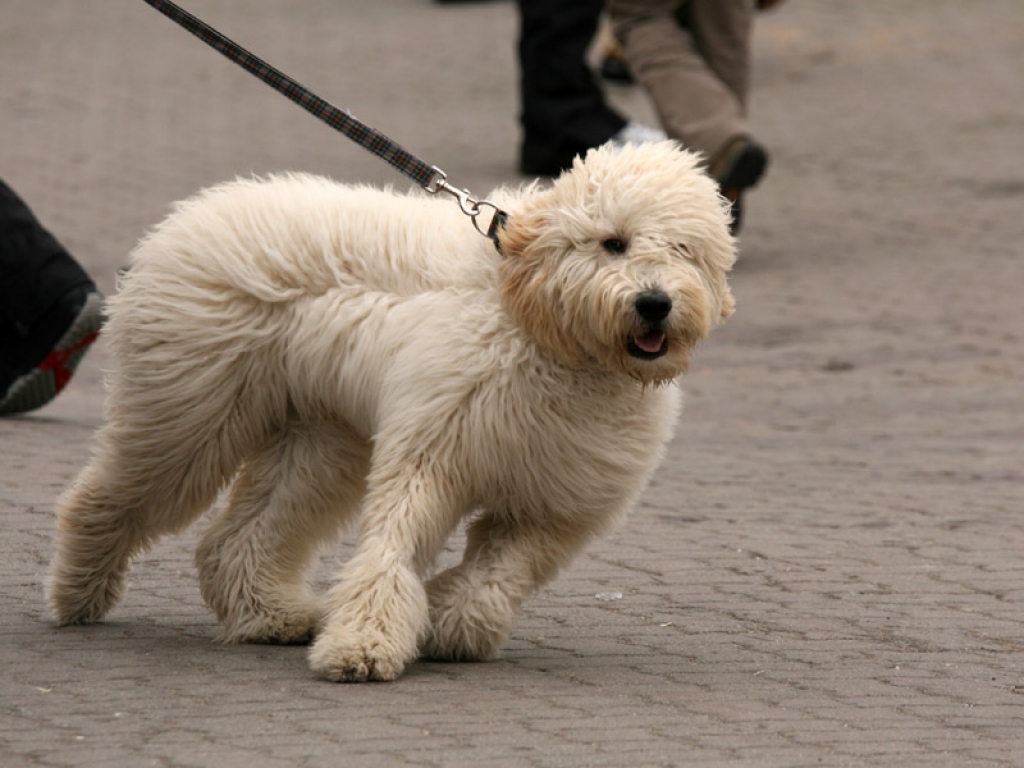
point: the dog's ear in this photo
(518, 233)
(528, 221)
(528, 290)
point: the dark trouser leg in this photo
(563, 109)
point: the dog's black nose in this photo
(653, 306)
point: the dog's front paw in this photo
(345, 655)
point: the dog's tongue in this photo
(650, 342)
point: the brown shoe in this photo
(737, 168)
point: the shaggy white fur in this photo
(346, 354)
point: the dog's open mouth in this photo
(648, 345)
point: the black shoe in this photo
(47, 365)
(739, 167)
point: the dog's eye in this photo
(614, 245)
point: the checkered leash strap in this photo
(430, 177)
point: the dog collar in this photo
(498, 222)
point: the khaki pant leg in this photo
(696, 76)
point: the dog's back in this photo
(286, 236)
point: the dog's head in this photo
(622, 264)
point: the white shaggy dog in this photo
(349, 354)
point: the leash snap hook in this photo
(469, 205)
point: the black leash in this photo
(430, 177)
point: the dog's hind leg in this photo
(133, 491)
(165, 453)
(474, 604)
(290, 497)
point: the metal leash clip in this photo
(469, 204)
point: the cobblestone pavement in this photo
(828, 569)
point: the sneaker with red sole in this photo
(35, 384)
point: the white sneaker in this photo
(634, 133)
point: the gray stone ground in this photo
(828, 569)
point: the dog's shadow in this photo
(154, 652)
(151, 650)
